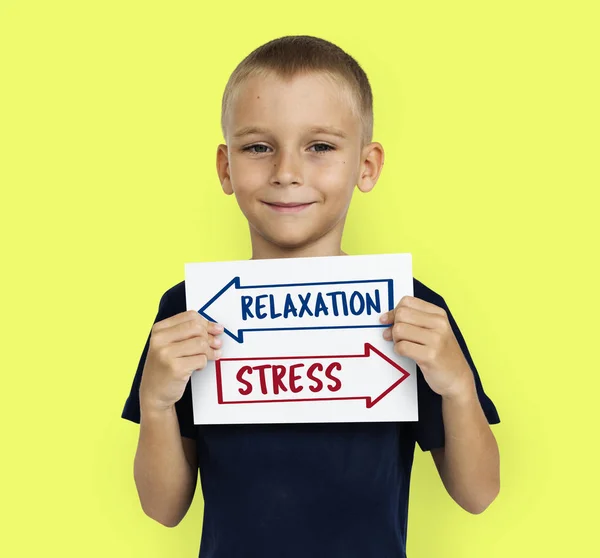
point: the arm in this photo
(469, 464)
(165, 467)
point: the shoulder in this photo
(173, 299)
(426, 293)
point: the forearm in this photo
(164, 478)
(471, 458)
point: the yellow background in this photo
(109, 123)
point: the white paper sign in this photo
(302, 340)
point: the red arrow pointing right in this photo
(369, 376)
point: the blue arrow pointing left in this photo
(236, 284)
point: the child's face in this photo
(288, 163)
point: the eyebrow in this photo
(331, 130)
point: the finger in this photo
(194, 347)
(422, 305)
(411, 315)
(417, 317)
(214, 342)
(196, 327)
(390, 317)
(408, 332)
(387, 317)
(175, 320)
(215, 328)
(202, 346)
(189, 315)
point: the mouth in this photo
(290, 207)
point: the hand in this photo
(178, 346)
(421, 331)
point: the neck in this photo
(259, 255)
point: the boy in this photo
(297, 118)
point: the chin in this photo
(289, 240)
(288, 243)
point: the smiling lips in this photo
(290, 207)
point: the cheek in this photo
(337, 191)
(242, 168)
(246, 180)
(333, 176)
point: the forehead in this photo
(302, 101)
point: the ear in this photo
(223, 169)
(372, 157)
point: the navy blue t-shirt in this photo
(308, 490)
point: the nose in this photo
(287, 168)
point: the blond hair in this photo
(292, 55)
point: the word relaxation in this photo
(297, 305)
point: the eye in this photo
(250, 148)
(329, 147)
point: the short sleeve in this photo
(429, 429)
(131, 411)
